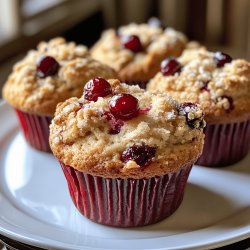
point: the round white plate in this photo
(35, 206)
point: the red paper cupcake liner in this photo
(141, 84)
(225, 144)
(35, 129)
(126, 202)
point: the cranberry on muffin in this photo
(221, 86)
(126, 145)
(135, 51)
(54, 72)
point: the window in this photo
(25, 22)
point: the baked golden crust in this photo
(215, 89)
(79, 136)
(141, 66)
(29, 93)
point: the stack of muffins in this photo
(127, 152)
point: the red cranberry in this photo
(221, 58)
(141, 154)
(97, 87)
(47, 66)
(124, 106)
(188, 110)
(170, 66)
(115, 124)
(132, 43)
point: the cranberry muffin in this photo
(135, 51)
(222, 87)
(126, 153)
(52, 73)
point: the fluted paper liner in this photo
(126, 202)
(35, 129)
(225, 144)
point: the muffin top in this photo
(219, 84)
(126, 133)
(52, 73)
(136, 50)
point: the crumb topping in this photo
(80, 135)
(156, 42)
(30, 93)
(222, 92)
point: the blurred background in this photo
(219, 24)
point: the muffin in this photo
(126, 155)
(136, 50)
(222, 87)
(52, 73)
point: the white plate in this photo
(35, 206)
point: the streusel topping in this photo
(30, 91)
(222, 91)
(156, 44)
(81, 134)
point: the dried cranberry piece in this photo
(115, 124)
(47, 66)
(221, 58)
(170, 66)
(132, 43)
(189, 110)
(141, 154)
